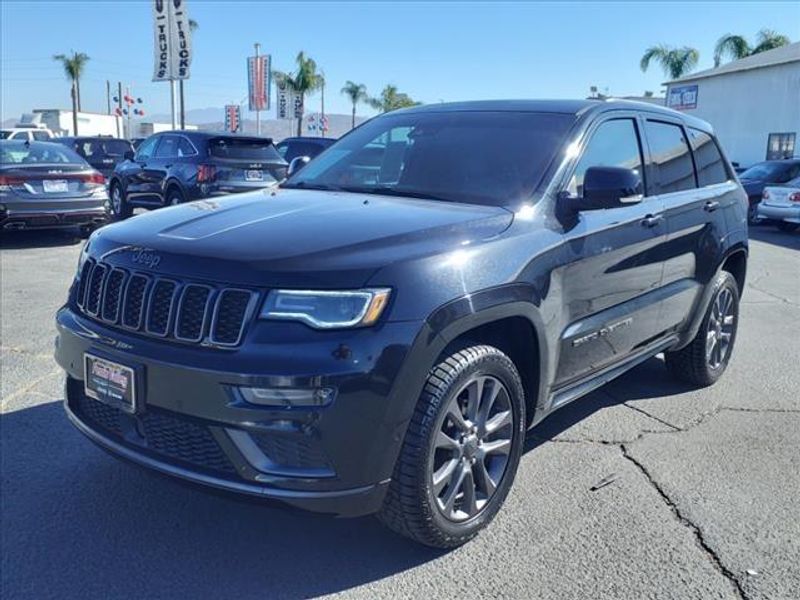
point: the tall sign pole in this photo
(172, 46)
(259, 76)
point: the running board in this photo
(576, 390)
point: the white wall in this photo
(744, 107)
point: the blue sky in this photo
(444, 51)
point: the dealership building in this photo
(753, 104)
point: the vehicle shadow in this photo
(46, 238)
(772, 235)
(77, 523)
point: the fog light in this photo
(288, 397)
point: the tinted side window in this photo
(146, 149)
(168, 148)
(614, 144)
(40, 136)
(20, 135)
(671, 157)
(185, 148)
(707, 158)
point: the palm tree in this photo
(73, 68)
(305, 80)
(675, 62)
(736, 46)
(356, 92)
(391, 99)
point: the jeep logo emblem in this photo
(145, 257)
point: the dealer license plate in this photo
(109, 382)
(54, 185)
(254, 175)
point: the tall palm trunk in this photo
(78, 93)
(74, 95)
(353, 120)
(300, 118)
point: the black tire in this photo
(118, 203)
(787, 226)
(174, 197)
(694, 364)
(752, 213)
(412, 506)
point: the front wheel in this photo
(461, 450)
(174, 197)
(120, 209)
(705, 359)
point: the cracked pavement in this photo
(643, 489)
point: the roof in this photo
(770, 58)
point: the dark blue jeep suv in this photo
(376, 336)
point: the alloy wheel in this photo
(116, 200)
(720, 329)
(472, 446)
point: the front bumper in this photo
(779, 213)
(192, 424)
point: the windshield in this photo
(103, 148)
(4, 134)
(493, 158)
(37, 153)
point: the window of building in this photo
(707, 159)
(780, 146)
(671, 157)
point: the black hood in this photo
(295, 237)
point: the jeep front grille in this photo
(162, 306)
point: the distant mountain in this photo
(212, 119)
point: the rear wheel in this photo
(174, 197)
(120, 209)
(787, 226)
(705, 359)
(461, 450)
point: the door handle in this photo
(711, 206)
(652, 220)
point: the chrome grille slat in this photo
(163, 307)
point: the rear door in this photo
(611, 281)
(699, 193)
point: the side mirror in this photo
(610, 187)
(296, 164)
(129, 155)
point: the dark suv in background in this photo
(379, 334)
(174, 167)
(101, 152)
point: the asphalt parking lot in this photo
(702, 501)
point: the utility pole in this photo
(322, 107)
(258, 112)
(119, 105)
(108, 95)
(172, 98)
(183, 111)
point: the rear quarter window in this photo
(710, 165)
(670, 155)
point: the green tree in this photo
(391, 99)
(74, 67)
(305, 80)
(355, 92)
(737, 46)
(675, 62)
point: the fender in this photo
(705, 298)
(170, 181)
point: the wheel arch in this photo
(171, 184)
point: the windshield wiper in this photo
(311, 186)
(385, 190)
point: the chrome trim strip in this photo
(205, 311)
(248, 311)
(175, 291)
(224, 484)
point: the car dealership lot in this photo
(700, 500)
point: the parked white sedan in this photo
(781, 203)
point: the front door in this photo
(612, 274)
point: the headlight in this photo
(327, 309)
